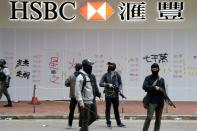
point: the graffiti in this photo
(54, 67)
(22, 67)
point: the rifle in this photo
(122, 95)
(114, 90)
(167, 99)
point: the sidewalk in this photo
(60, 109)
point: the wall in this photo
(48, 55)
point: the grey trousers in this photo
(158, 115)
(4, 90)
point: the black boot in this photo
(9, 104)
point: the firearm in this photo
(167, 99)
(122, 95)
(112, 90)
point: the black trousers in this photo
(157, 109)
(115, 102)
(93, 113)
(73, 103)
(4, 90)
(87, 116)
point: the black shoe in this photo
(109, 126)
(121, 125)
(8, 105)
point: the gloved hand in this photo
(109, 85)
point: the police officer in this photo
(112, 83)
(70, 82)
(4, 82)
(152, 85)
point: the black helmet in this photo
(2, 62)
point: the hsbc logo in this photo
(96, 11)
(51, 11)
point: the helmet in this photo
(2, 62)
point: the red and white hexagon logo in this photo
(96, 11)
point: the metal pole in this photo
(166, 105)
(34, 96)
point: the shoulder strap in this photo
(84, 80)
(155, 82)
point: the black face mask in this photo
(155, 73)
(1, 65)
(87, 69)
(111, 68)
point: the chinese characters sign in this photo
(170, 10)
(132, 11)
(22, 67)
(156, 58)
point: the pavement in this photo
(100, 125)
(59, 110)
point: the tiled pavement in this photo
(60, 109)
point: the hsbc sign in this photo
(68, 11)
(51, 11)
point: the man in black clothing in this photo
(152, 85)
(96, 93)
(70, 82)
(5, 82)
(112, 83)
(86, 91)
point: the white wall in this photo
(125, 47)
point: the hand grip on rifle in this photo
(171, 103)
(122, 95)
(167, 99)
(109, 85)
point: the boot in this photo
(9, 104)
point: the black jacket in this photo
(96, 91)
(115, 80)
(155, 96)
